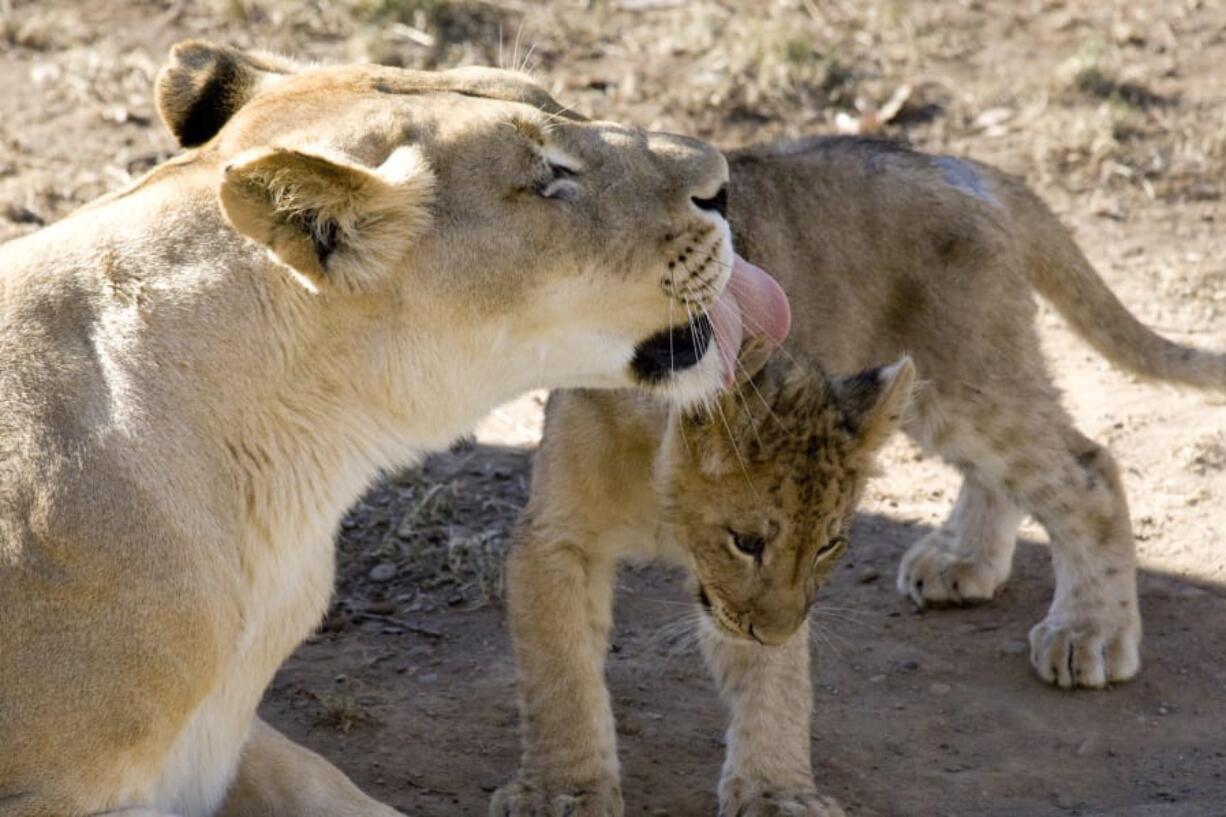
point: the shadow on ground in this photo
(932, 714)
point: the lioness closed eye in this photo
(347, 267)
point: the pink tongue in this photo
(752, 305)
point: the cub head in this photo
(469, 204)
(760, 487)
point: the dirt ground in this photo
(1115, 111)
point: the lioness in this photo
(883, 251)
(348, 267)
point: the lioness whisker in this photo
(748, 380)
(519, 30)
(522, 67)
(744, 401)
(727, 426)
(736, 450)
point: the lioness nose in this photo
(698, 171)
(717, 203)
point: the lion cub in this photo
(882, 251)
(755, 495)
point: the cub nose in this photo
(717, 203)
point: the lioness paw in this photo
(766, 803)
(1086, 649)
(934, 572)
(518, 799)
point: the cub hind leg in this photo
(769, 694)
(1092, 633)
(1025, 456)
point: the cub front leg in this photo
(278, 778)
(560, 603)
(767, 771)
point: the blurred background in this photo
(1119, 100)
(1115, 111)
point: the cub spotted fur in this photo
(755, 494)
(349, 267)
(883, 252)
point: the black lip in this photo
(703, 598)
(718, 202)
(672, 350)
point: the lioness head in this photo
(759, 488)
(573, 252)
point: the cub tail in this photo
(1060, 272)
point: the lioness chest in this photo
(285, 585)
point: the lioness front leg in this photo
(560, 603)
(278, 778)
(767, 771)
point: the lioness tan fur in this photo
(199, 373)
(883, 252)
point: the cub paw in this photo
(1086, 649)
(747, 800)
(934, 572)
(518, 799)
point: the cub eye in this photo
(560, 171)
(751, 544)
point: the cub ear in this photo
(330, 220)
(752, 359)
(204, 84)
(874, 401)
(726, 432)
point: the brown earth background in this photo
(1115, 111)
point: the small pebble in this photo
(382, 572)
(876, 679)
(938, 688)
(907, 665)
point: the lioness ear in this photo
(332, 221)
(875, 400)
(204, 84)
